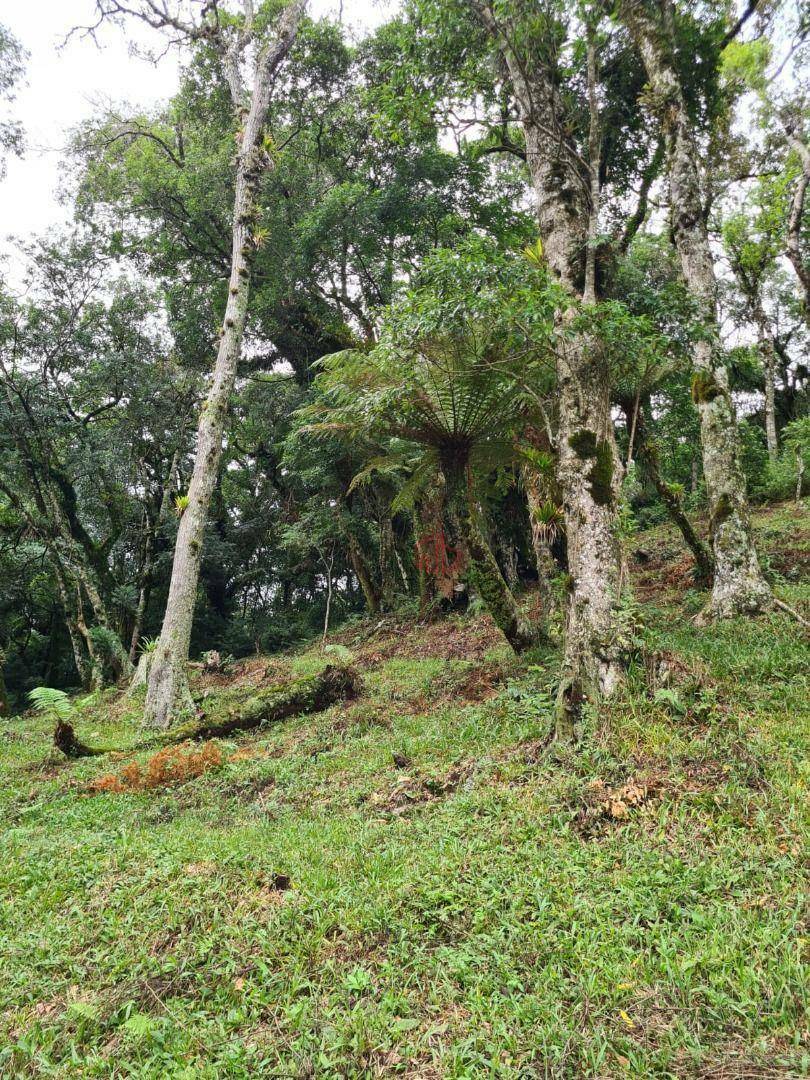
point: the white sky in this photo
(64, 86)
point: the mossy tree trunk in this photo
(588, 464)
(168, 692)
(739, 586)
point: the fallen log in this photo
(309, 694)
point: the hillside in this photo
(411, 883)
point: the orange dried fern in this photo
(172, 765)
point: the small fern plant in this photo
(55, 705)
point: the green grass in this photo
(469, 913)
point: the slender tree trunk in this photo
(329, 565)
(648, 456)
(117, 656)
(739, 586)
(483, 568)
(147, 569)
(769, 356)
(168, 692)
(387, 580)
(363, 575)
(79, 657)
(799, 473)
(143, 591)
(5, 708)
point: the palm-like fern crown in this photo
(458, 360)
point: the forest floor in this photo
(409, 884)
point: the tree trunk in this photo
(739, 586)
(168, 692)
(588, 465)
(363, 575)
(590, 477)
(793, 248)
(799, 473)
(387, 563)
(143, 591)
(648, 456)
(311, 693)
(5, 708)
(483, 569)
(79, 658)
(768, 353)
(769, 356)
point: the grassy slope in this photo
(475, 910)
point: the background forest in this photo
(401, 311)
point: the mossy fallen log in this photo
(309, 694)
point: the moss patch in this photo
(705, 387)
(723, 510)
(585, 444)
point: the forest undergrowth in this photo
(412, 882)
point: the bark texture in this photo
(739, 586)
(168, 693)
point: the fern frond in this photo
(47, 701)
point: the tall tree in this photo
(566, 189)
(232, 40)
(739, 586)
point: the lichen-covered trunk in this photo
(565, 191)
(793, 246)
(482, 569)
(739, 586)
(168, 691)
(590, 477)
